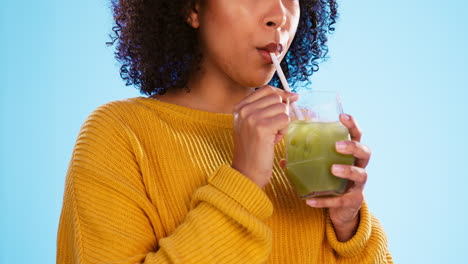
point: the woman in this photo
(191, 174)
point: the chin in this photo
(258, 80)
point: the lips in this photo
(265, 51)
(273, 47)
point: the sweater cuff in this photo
(242, 190)
(358, 242)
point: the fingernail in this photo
(337, 169)
(294, 95)
(340, 145)
(346, 117)
(312, 202)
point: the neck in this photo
(209, 92)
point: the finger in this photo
(268, 100)
(348, 200)
(262, 103)
(264, 91)
(282, 132)
(282, 163)
(273, 117)
(280, 135)
(273, 123)
(292, 99)
(360, 151)
(270, 111)
(278, 138)
(353, 173)
(278, 117)
(349, 122)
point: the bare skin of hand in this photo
(344, 210)
(260, 122)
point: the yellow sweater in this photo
(151, 182)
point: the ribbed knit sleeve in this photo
(224, 226)
(108, 218)
(368, 245)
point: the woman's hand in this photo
(344, 210)
(260, 122)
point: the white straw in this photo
(285, 84)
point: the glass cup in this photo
(310, 145)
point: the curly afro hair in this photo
(158, 50)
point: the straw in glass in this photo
(296, 110)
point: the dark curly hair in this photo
(158, 50)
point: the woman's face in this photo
(232, 34)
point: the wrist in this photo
(251, 174)
(346, 230)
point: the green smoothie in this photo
(310, 153)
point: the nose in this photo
(275, 15)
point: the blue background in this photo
(401, 67)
